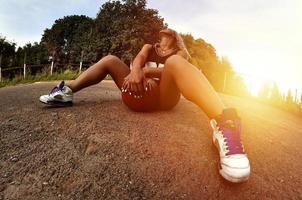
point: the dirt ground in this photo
(99, 149)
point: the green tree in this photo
(122, 27)
(7, 51)
(32, 54)
(68, 37)
(289, 97)
(276, 97)
(203, 57)
(235, 85)
(219, 71)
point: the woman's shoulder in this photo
(148, 46)
(146, 50)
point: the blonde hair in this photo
(181, 45)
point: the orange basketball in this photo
(148, 102)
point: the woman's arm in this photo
(135, 81)
(151, 72)
(140, 60)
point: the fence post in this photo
(81, 62)
(51, 67)
(0, 67)
(24, 70)
(296, 96)
(24, 65)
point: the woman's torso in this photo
(150, 100)
(155, 60)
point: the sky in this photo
(262, 39)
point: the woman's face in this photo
(166, 40)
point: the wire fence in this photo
(253, 83)
(27, 69)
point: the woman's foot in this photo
(60, 95)
(234, 164)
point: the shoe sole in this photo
(221, 172)
(58, 103)
(233, 179)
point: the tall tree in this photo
(276, 97)
(204, 57)
(289, 97)
(67, 37)
(219, 71)
(7, 51)
(122, 27)
(35, 53)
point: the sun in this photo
(267, 66)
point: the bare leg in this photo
(181, 76)
(107, 65)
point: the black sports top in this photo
(155, 60)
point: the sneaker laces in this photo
(230, 130)
(57, 88)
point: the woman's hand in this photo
(135, 82)
(146, 71)
(151, 83)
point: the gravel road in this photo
(99, 149)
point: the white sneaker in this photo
(234, 164)
(60, 95)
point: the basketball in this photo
(149, 100)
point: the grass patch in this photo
(66, 75)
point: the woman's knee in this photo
(173, 61)
(109, 59)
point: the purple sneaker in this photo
(60, 95)
(234, 164)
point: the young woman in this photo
(160, 73)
